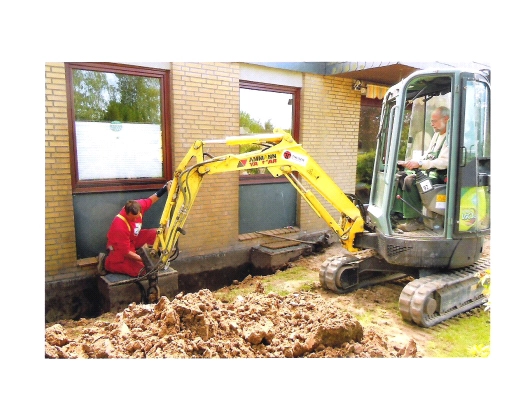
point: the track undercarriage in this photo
(425, 301)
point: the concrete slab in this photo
(267, 261)
(117, 295)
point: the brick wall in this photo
(330, 132)
(60, 248)
(205, 99)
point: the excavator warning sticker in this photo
(440, 201)
(295, 157)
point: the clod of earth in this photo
(197, 325)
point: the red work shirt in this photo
(122, 235)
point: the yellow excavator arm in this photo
(282, 156)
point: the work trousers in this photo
(409, 192)
(125, 265)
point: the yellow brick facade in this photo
(60, 247)
(330, 132)
(205, 98)
(205, 105)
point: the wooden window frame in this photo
(114, 185)
(296, 92)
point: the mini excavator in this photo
(444, 259)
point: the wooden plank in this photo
(279, 244)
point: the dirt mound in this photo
(309, 322)
(197, 325)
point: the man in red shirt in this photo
(126, 235)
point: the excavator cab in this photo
(455, 204)
(444, 257)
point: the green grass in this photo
(467, 335)
(299, 278)
(365, 317)
(296, 273)
(464, 336)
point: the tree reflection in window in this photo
(118, 128)
(260, 112)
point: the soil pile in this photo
(197, 325)
(309, 322)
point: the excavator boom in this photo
(281, 156)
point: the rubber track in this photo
(333, 266)
(414, 295)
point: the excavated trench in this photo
(88, 298)
(213, 279)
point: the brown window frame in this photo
(296, 92)
(110, 185)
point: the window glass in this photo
(262, 111)
(117, 125)
(369, 125)
(417, 130)
(368, 129)
(378, 182)
(476, 124)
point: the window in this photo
(266, 202)
(369, 124)
(368, 129)
(264, 107)
(119, 126)
(474, 167)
